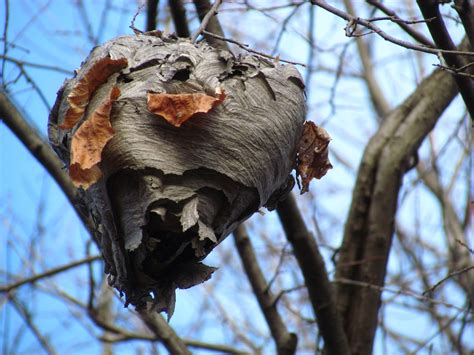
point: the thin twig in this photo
(27, 317)
(5, 36)
(320, 289)
(83, 15)
(366, 23)
(456, 71)
(378, 99)
(284, 25)
(21, 63)
(245, 47)
(400, 292)
(134, 18)
(202, 8)
(309, 71)
(402, 23)
(41, 151)
(285, 341)
(465, 245)
(447, 277)
(49, 273)
(205, 21)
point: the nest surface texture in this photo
(163, 195)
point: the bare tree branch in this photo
(449, 276)
(418, 36)
(465, 9)
(157, 324)
(437, 28)
(22, 63)
(460, 257)
(285, 341)
(49, 273)
(203, 7)
(316, 279)
(41, 151)
(27, 317)
(382, 107)
(368, 24)
(250, 50)
(83, 15)
(207, 19)
(151, 14)
(5, 36)
(178, 13)
(369, 227)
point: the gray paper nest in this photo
(169, 195)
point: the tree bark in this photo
(370, 224)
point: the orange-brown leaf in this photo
(80, 95)
(178, 108)
(89, 141)
(313, 160)
(84, 177)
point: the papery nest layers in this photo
(174, 144)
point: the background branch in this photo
(42, 152)
(437, 28)
(285, 341)
(314, 271)
(178, 13)
(369, 227)
(151, 14)
(158, 326)
(203, 7)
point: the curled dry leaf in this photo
(89, 141)
(313, 160)
(84, 177)
(178, 108)
(82, 91)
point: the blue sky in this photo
(31, 204)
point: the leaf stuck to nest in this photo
(79, 97)
(178, 108)
(84, 177)
(313, 160)
(89, 141)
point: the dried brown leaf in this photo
(313, 160)
(89, 141)
(79, 97)
(84, 177)
(178, 108)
